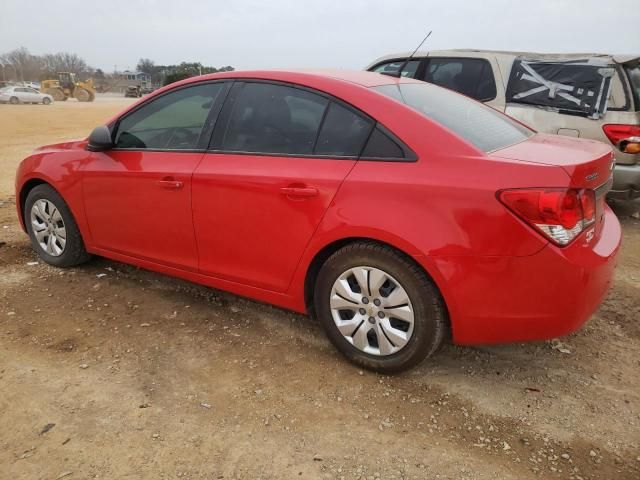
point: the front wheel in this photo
(379, 308)
(52, 229)
(46, 101)
(82, 95)
(14, 101)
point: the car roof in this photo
(510, 54)
(362, 78)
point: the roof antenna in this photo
(398, 73)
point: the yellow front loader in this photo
(66, 86)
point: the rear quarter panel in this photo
(436, 209)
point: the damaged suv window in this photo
(578, 87)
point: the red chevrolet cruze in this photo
(391, 209)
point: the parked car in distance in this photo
(133, 91)
(34, 85)
(16, 95)
(390, 209)
(591, 96)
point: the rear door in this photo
(138, 195)
(23, 94)
(277, 158)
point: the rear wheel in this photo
(52, 229)
(46, 100)
(57, 94)
(14, 101)
(379, 308)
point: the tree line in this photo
(166, 74)
(21, 65)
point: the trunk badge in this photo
(591, 177)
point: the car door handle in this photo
(169, 183)
(299, 192)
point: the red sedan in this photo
(390, 209)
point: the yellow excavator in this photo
(66, 86)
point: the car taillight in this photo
(560, 214)
(625, 137)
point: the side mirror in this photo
(100, 139)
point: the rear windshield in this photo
(476, 123)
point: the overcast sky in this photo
(308, 33)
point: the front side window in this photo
(172, 121)
(409, 69)
(470, 76)
(474, 122)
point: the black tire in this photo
(74, 252)
(430, 319)
(46, 101)
(56, 93)
(82, 95)
(14, 101)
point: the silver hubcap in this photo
(372, 310)
(48, 227)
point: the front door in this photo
(281, 154)
(138, 195)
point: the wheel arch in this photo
(24, 193)
(324, 253)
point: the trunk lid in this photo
(588, 163)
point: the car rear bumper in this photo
(545, 295)
(626, 182)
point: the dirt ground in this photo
(108, 371)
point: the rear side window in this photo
(381, 146)
(269, 118)
(279, 119)
(474, 122)
(343, 132)
(470, 76)
(634, 78)
(409, 70)
(617, 95)
(170, 122)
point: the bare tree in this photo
(25, 65)
(64, 62)
(146, 65)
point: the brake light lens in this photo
(625, 137)
(559, 214)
